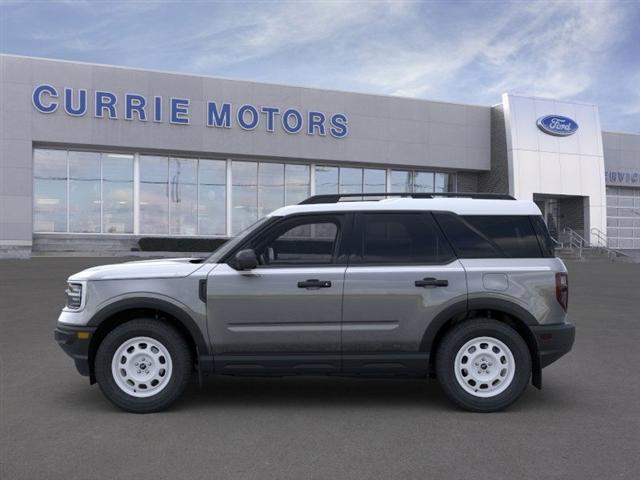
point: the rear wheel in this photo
(483, 365)
(143, 365)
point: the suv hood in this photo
(163, 268)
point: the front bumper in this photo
(553, 341)
(75, 342)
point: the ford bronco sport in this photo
(464, 288)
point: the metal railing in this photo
(576, 242)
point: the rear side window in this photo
(400, 238)
(491, 236)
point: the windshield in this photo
(230, 244)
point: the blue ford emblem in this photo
(557, 125)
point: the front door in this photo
(286, 313)
(402, 274)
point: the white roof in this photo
(461, 206)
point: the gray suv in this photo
(466, 289)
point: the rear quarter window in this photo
(491, 236)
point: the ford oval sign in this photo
(557, 125)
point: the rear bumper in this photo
(75, 343)
(553, 341)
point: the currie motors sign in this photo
(132, 106)
(557, 125)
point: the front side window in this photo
(400, 238)
(307, 241)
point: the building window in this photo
(326, 180)
(401, 181)
(183, 196)
(270, 187)
(93, 192)
(85, 203)
(297, 183)
(350, 180)
(154, 195)
(117, 193)
(244, 195)
(50, 190)
(374, 181)
(212, 197)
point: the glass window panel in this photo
(442, 183)
(244, 195)
(296, 184)
(423, 182)
(350, 180)
(84, 192)
(212, 175)
(154, 194)
(326, 180)
(271, 187)
(117, 193)
(400, 181)
(49, 190)
(374, 181)
(183, 193)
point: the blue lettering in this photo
(221, 118)
(37, 98)
(339, 125)
(253, 113)
(106, 100)
(271, 117)
(179, 111)
(286, 124)
(157, 109)
(68, 102)
(135, 103)
(316, 121)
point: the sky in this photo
(456, 51)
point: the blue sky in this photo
(457, 51)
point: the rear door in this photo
(286, 313)
(402, 273)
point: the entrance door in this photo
(286, 313)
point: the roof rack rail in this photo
(336, 197)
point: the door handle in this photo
(431, 282)
(314, 283)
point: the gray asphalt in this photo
(584, 424)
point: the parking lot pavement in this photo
(584, 424)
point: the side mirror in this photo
(245, 260)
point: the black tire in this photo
(178, 350)
(456, 338)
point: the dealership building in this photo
(95, 158)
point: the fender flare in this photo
(185, 319)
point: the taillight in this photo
(562, 290)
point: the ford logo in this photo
(557, 125)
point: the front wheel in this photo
(143, 365)
(483, 365)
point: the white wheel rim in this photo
(484, 367)
(141, 367)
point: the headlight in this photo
(74, 296)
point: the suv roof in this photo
(459, 205)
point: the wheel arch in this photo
(127, 309)
(502, 310)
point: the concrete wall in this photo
(546, 164)
(382, 130)
(496, 180)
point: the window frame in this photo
(358, 231)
